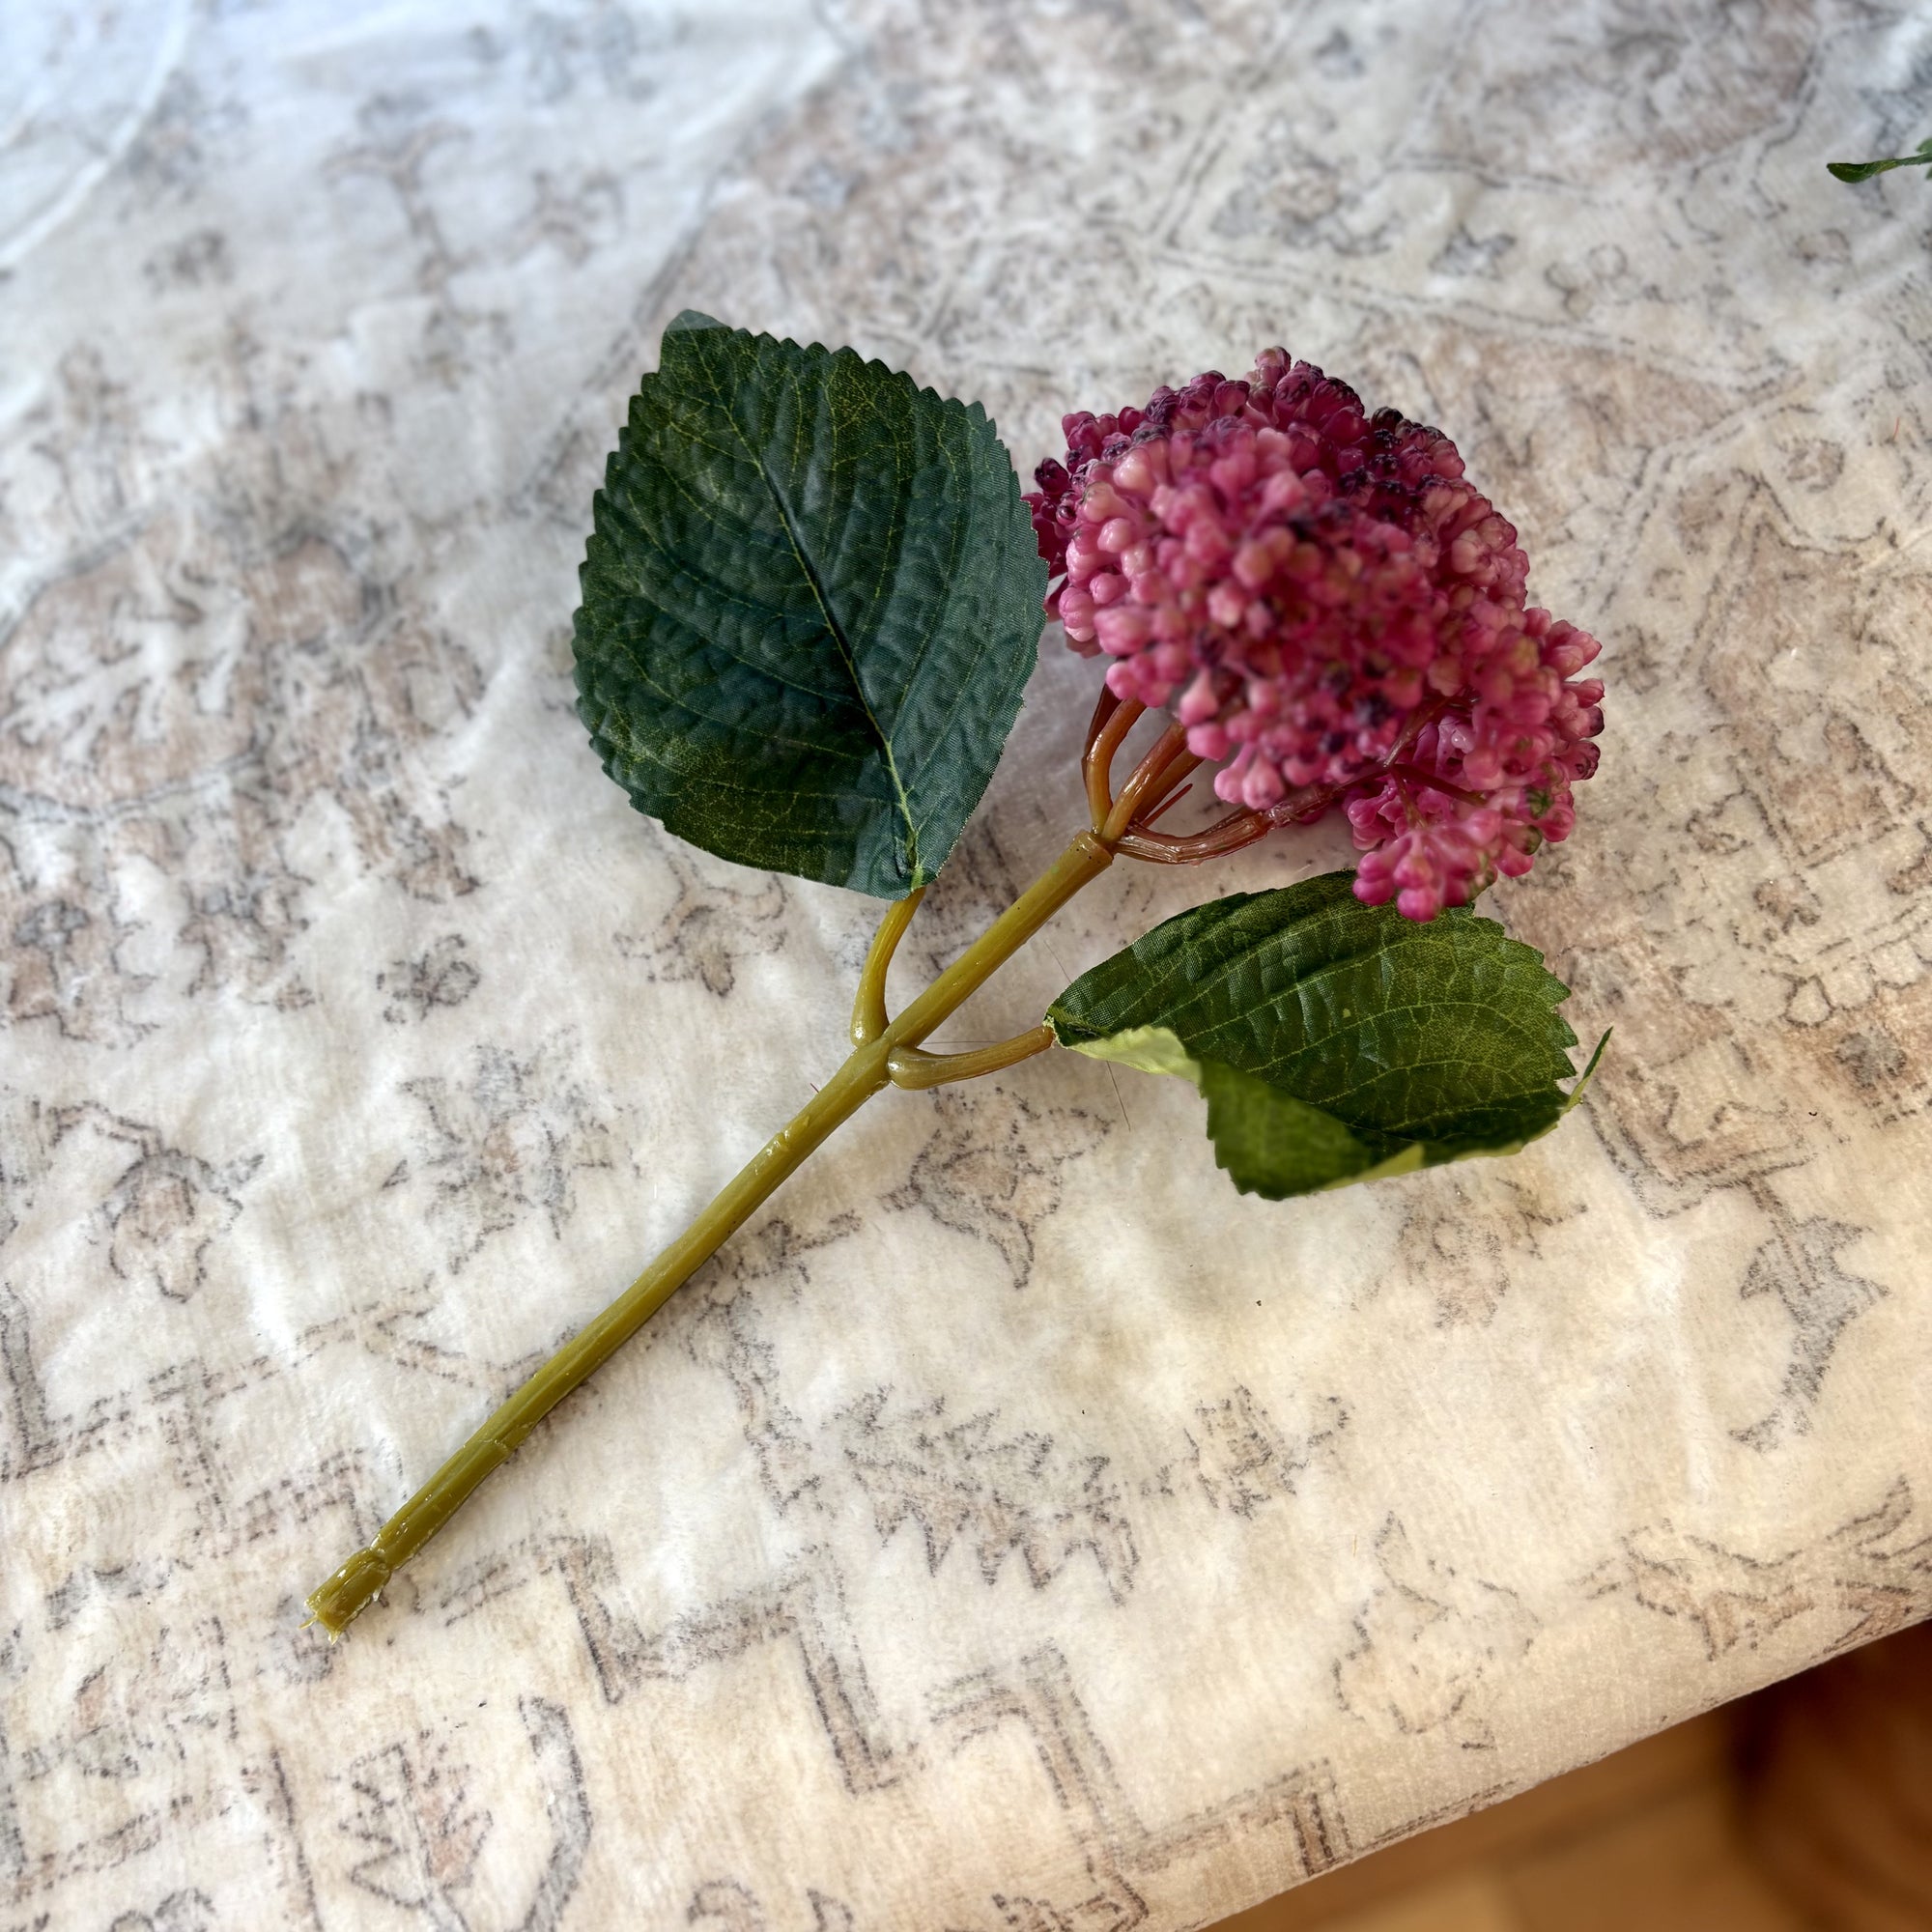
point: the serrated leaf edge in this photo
(1153, 1049)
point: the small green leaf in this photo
(811, 602)
(1859, 171)
(1335, 1041)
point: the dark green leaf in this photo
(1335, 1041)
(810, 604)
(1859, 171)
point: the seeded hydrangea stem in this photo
(1332, 613)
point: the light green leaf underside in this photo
(810, 604)
(1148, 1049)
(1335, 1042)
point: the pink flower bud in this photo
(1227, 605)
(1122, 629)
(1199, 704)
(1261, 786)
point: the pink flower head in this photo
(1340, 613)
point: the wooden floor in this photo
(1645, 1841)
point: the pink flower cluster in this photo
(1341, 613)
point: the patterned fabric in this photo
(1013, 1528)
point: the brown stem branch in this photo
(1096, 767)
(1151, 770)
(1161, 848)
(1104, 707)
(1162, 807)
(1416, 776)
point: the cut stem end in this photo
(349, 1592)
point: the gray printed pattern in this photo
(1013, 1531)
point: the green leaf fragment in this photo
(810, 604)
(1335, 1041)
(1859, 171)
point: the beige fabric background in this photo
(1015, 1528)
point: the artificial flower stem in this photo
(868, 1005)
(1098, 763)
(1165, 806)
(1142, 781)
(1172, 788)
(1412, 775)
(1225, 836)
(336, 1602)
(1104, 707)
(913, 1066)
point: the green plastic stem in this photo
(336, 1602)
